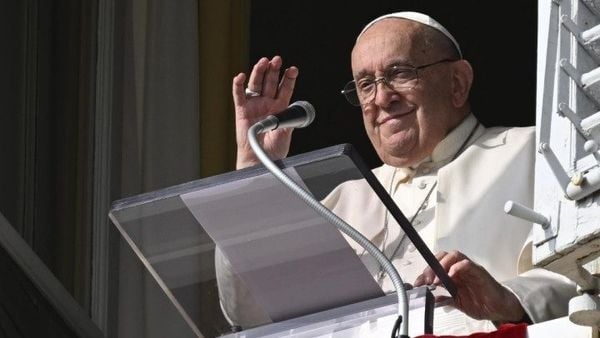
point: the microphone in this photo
(297, 115)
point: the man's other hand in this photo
(478, 294)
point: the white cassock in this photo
(464, 212)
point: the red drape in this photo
(504, 331)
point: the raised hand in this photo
(478, 294)
(265, 95)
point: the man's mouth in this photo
(395, 116)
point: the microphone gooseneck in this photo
(292, 117)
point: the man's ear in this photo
(462, 79)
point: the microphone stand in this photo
(402, 321)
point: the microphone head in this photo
(309, 109)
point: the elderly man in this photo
(447, 173)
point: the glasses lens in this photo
(396, 78)
(400, 78)
(350, 94)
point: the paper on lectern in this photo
(291, 259)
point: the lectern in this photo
(263, 231)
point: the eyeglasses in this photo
(397, 78)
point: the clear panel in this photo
(262, 229)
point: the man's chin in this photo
(399, 159)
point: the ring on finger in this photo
(251, 93)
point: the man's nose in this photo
(384, 93)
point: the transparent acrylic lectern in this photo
(301, 270)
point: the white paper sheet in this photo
(292, 260)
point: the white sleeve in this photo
(237, 303)
(543, 294)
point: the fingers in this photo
(257, 76)
(478, 295)
(447, 261)
(287, 84)
(461, 268)
(264, 79)
(271, 78)
(239, 97)
(427, 276)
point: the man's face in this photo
(404, 126)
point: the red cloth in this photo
(504, 331)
